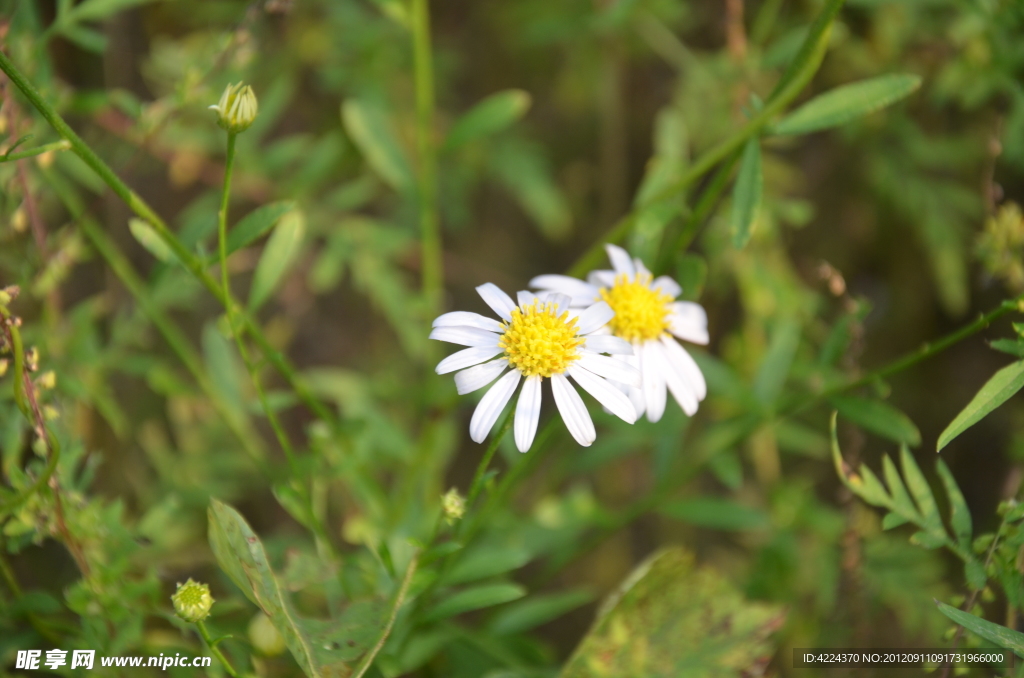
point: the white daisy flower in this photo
(647, 316)
(540, 337)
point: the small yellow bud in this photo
(3, 367)
(50, 413)
(46, 380)
(5, 299)
(453, 505)
(237, 108)
(32, 359)
(19, 220)
(264, 636)
(192, 601)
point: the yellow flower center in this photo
(640, 312)
(536, 341)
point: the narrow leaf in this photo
(996, 391)
(922, 492)
(278, 256)
(150, 239)
(994, 633)
(475, 598)
(531, 612)
(256, 223)
(863, 483)
(846, 103)
(1014, 347)
(369, 128)
(774, 367)
(878, 417)
(746, 197)
(715, 513)
(487, 561)
(900, 499)
(959, 514)
(488, 116)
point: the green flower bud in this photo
(192, 601)
(237, 108)
(453, 505)
(264, 636)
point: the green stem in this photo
(481, 470)
(192, 263)
(429, 222)
(215, 650)
(61, 145)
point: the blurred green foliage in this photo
(824, 235)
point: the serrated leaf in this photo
(368, 126)
(256, 223)
(848, 102)
(531, 612)
(922, 493)
(475, 598)
(671, 618)
(878, 417)
(746, 196)
(321, 648)
(151, 240)
(994, 633)
(959, 514)
(996, 391)
(492, 114)
(715, 513)
(278, 256)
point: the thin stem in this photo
(364, 666)
(192, 263)
(481, 470)
(61, 145)
(429, 221)
(215, 650)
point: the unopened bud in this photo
(264, 637)
(32, 359)
(50, 413)
(453, 505)
(46, 380)
(192, 601)
(3, 367)
(237, 108)
(19, 220)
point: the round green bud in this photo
(264, 636)
(237, 108)
(192, 601)
(453, 505)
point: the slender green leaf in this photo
(1014, 347)
(531, 612)
(959, 514)
(746, 197)
(368, 126)
(922, 493)
(256, 223)
(774, 368)
(994, 633)
(92, 10)
(282, 248)
(892, 520)
(864, 483)
(321, 648)
(148, 238)
(878, 417)
(929, 540)
(223, 367)
(712, 512)
(996, 391)
(87, 38)
(901, 501)
(848, 102)
(475, 598)
(486, 561)
(671, 618)
(488, 116)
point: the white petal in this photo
(499, 302)
(525, 298)
(620, 261)
(652, 367)
(612, 398)
(685, 365)
(611, 368)
(465, 336)
(491, 405)
(608, 343)
(467, 357)
(528, 412)
(575, 288)
(467, 319)
(574, 412)
(595, 317)
(681, 388)
(601, 278)
(641, 270)
(667, 285)
(561, 301)
(636, 395)
(689, 321)
(478, 376)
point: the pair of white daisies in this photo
(610, 334)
